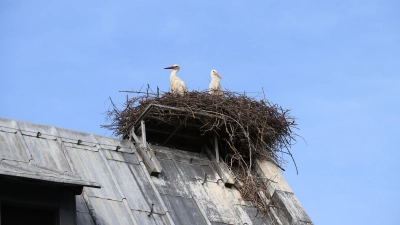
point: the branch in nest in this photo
(249, 129)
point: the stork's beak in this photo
(169, 67)
(216, 74)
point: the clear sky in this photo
(335, 64)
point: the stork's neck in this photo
(173, 73)
(214, 78)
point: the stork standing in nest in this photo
(177, 86)
(215, 85)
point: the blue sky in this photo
(335, 64)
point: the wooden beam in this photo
(153, 166)
(221, 168)
(216, 148)
(143, 126)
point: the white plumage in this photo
(215, 85)
(176, 85)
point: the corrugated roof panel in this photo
(112, 143)
(110, 212)
(11, 146)
(34, 128)
(118, 171)
(216, 201)
(169, 181)
(17, 167)
(198, 172)
(66, 134)
(142, 218)
(47, 153)
(121, 156)
(91, 166)
(183, 210)
(84, 219)
(212, 199)
(32, 171)
(135, 187)
(144, 184)
(178, 152)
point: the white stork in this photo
(176, 85)
(215, 85)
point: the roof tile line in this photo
(89, 205)
(159, 198)
(25, 146)
(162, 214)
(203, 213)
(64, 151)
(117, 186)
(84, 195)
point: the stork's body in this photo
(215, 85)
(176, 85)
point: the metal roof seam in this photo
(89, 205)
(84, 195)
(11, 132)
(118, 187)
(25, 146)
(159, 198)
(132, 217)
(137, 210)
(14, 160)
(203, 213)
(68, 159)
(33, 132)
(192, 194)
(112, 175)
(41, 137)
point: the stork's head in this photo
(214, 73)
(174, 67)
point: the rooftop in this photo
(180, 194)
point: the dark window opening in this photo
(21, 214)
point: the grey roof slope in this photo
(128, 194)
(16, 159)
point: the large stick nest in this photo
(248, 128)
